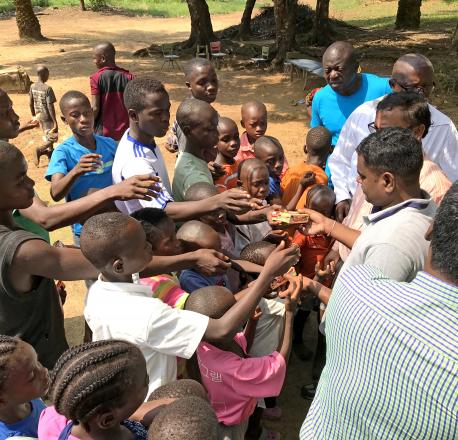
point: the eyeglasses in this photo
(372, 127)
(421, 89)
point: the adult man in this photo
(412, 72)
(346, 89)
(107, 89)
(391, 370)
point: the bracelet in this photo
(332, 228)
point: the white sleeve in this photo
(448, 159)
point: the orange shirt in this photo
(292, 177)
(229, 180)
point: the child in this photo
(107, 89)
(190, 418)
(95, 388)
(202, 82)
(23, 381)
(161, 332)
(83, 161)
(269, 150)
(197, 235)
(199, 122)
(179, 389)
(298, 180)
(234, 381)
(228, 146)
(41, 103)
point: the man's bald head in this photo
(104, 54)
(343, 49)
(413, 72)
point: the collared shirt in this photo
(391, 360)
(127, 311)
(393, 239)
(440, 145)
(134, 158)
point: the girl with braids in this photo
(23, 380)
(95, 388)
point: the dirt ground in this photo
(73, 33)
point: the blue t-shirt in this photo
(65, 157)
(27, 427)
(274, 186)
(191, 280)
(331, 110)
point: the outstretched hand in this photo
(143, 187)
(236, 200)
(281, 259)
(317, 225)
(210, 262)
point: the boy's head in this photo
(190, 418)
(160, 231)
(254, 119)
(389, 162)
(269, 150)
(115, 244)
(179, 389)
(16, 187)
(253, 177)
(9, 120)
(196, 235)
(257, 253)
(201, 79)
(204, 190)
(22, 377)
(321, 198)
(42, 73)
(199, 122)
(77, 113)
(228, 138)
(211, 301)
(318, 143)
(148, 106)
(104, 55)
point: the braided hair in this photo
(92, 378)
(8, 345)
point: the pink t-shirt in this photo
(51, 424)
(234, 384)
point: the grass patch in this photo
(161, 8)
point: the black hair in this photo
(254, 104)
(68, 96)
(92, 378)
(257, 253)
(9, 153)
(318, 193)
(152, 221)
(191, 232)
(319, 139)
(107, 49)
(395, 150)
(189, 112)
(8, 345)
(247, 162)
(178, 389)
(267, 141)
(195, 63)
(137, 89)
(225, 120)
(413, 104)
(444, 238)
(100, 237)
(190, 418)
(199, 191)
(210, 301)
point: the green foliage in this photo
(97, 5)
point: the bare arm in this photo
(95, 105)
(291, 206)
(52, 113)
(146, 412)
(250, 329)
(31, 105)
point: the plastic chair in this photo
(264, 58)
(216, 53)
(202, 51)
(170, 58)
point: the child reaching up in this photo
(23, 382)
(299, 178)
(233, 380)
(95, 388)
(228, 146)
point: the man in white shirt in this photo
(412, 72)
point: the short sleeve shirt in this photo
(190, 280)
(27, 427)
(67, 155)
(43, 96)
(127, 311)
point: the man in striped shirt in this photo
(392, 359)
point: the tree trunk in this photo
(285, 27)
(322, 30)
(245, 23)
(408, 16)
(83, 6)
(201, 23)
(27, 22)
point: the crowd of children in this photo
(199, 289)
